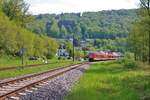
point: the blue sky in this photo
(63, 6)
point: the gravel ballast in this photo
(57, 88)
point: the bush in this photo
(129, 63)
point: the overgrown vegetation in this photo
(112, 81)
(128, 61)
(14, 36)
(118, 44)
(139, 38)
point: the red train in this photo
(103, 56)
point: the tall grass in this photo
(112, 81)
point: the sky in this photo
(69, 6)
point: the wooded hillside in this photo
(14, 36)
(103, 24)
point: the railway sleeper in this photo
(10, 87)
(22, 94)
(29, 91)
(2, 92)
(34, 88)
(7, 89)
(13, 98)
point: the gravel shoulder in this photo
(57, 88)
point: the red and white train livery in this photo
(103, 56)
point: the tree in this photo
(69, 48)
(77, 31)
(17, 10)
(63, 31)
(39, 48)
(145, 4)
(54, 30)
(51, 46)
(7, 35)
(84, 30)
(13, 38)
(24, 39)
(139, 38)
(115, 23)
(1, 1)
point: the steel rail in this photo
(32, 84)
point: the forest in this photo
(107, 30)
(103, 24)
(14, 35)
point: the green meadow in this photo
(112, 81)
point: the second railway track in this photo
(25, 66)
(11, 89)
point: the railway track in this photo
(25, 66)
(12, 89)
(15, 67)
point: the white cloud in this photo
(59, 6)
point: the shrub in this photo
(129, 63)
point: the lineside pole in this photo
(73, 49)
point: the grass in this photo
(111, 81)
(25, 71)
(12, 62)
